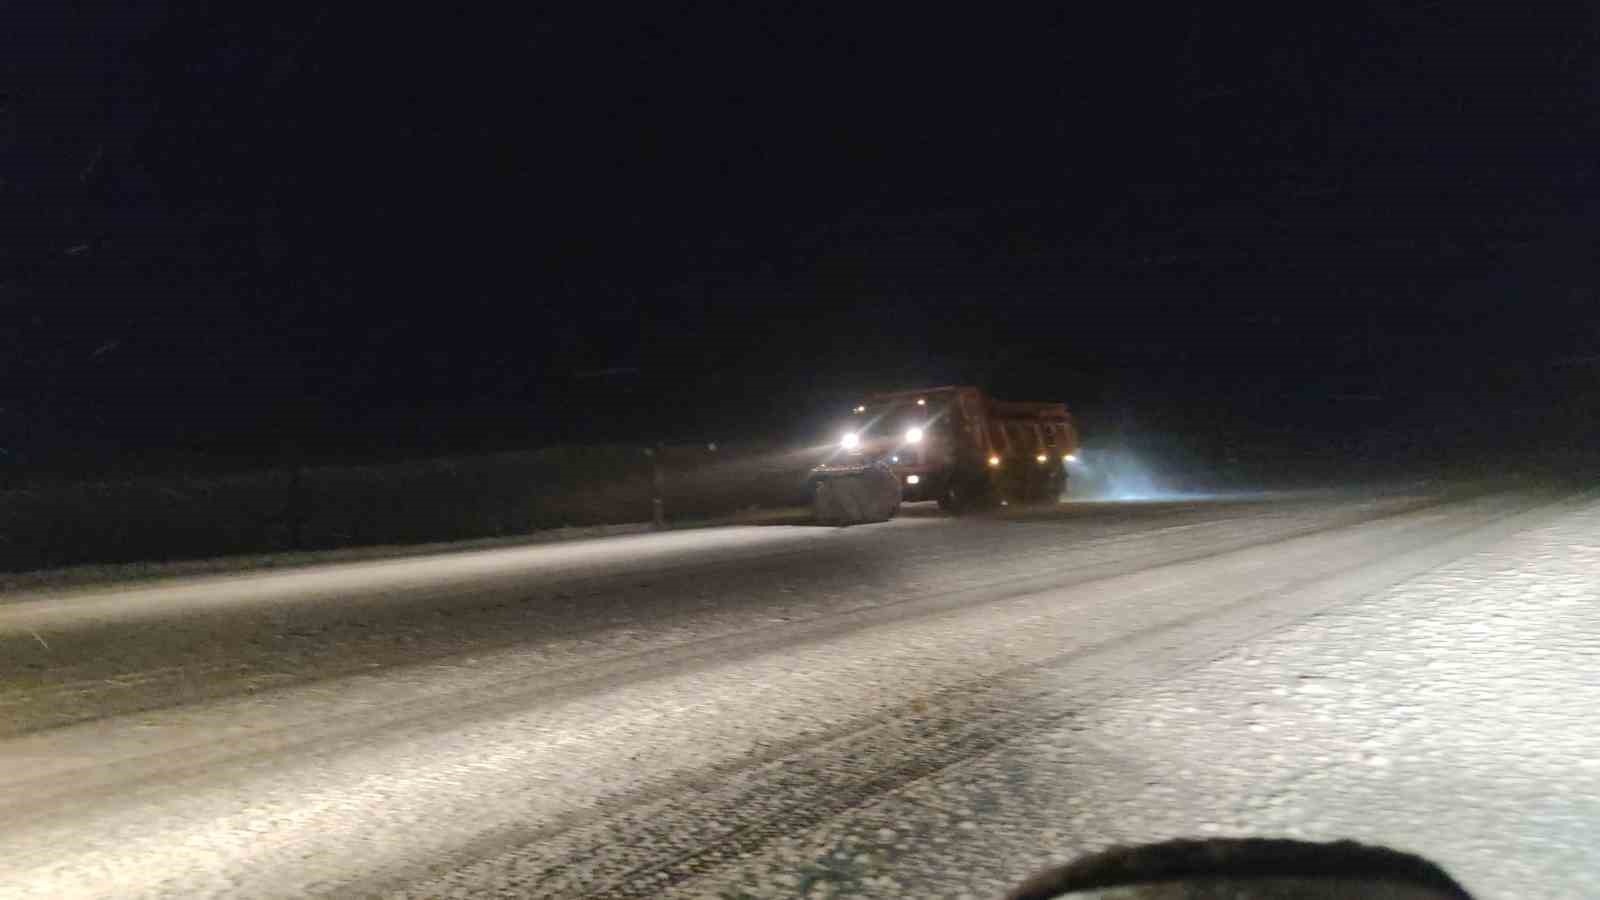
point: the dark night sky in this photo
(229, 229)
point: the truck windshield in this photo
(893, 421)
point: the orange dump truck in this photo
(958, 446)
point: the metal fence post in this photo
(296, 507)
(658, 507)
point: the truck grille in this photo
(910, 456)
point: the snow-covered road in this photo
(932, 706)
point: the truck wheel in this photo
(960, 496)
(950, 499)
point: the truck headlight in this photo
(913, 479)
(850, 441)
(914, 436)
(1071, 457)
(994, 462)
(1042, 458)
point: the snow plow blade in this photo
(854, 495)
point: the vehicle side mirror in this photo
(1251, 869)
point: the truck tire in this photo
(964, 495)
(950, 500)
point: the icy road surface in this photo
(932, 707)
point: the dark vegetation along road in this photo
(932, 706)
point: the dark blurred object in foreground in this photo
(1245, 869)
